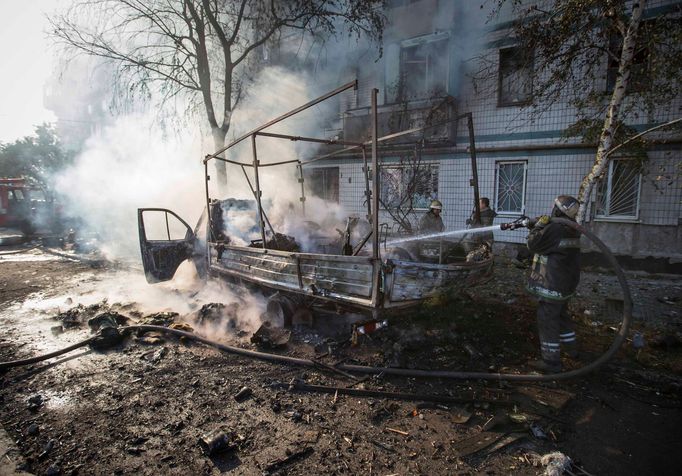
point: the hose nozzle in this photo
(521, 222)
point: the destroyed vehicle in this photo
(26, 206)
(357, 270)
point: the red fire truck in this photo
(25, 206)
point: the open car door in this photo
(166, 240)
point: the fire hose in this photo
(401, 372)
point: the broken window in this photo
(639, 70)
(409, 187)
(510, 187)
(161, 225)
(515, 77)
(618, 190)
(323, 182)
(424, 68)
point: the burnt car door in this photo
(166, 240)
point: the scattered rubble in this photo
(555, 463)
(327, 420)
(268, 336)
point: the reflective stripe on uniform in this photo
(547, 293)
(549, 346)
(569, 243)
(568, 337)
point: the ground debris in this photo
(151, 338)
(165, 318)
(214, 312)
(475, 443)
(217, 442)
(243, 394)
(181, 326)
(277, 464)
(555, 463)
(35, 402)
(554, 398)
(271, 337)
(107, 319)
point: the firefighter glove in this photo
(541, 221)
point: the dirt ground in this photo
(144, 406)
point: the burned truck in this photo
(358, 272)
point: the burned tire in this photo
(285, 309)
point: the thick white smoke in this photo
(129, 165)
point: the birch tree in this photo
(202, 50)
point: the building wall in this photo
(554, 165)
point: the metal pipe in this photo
(307, 139)
(375, 178)
(210, 236)
(234, 162)
(301, 180)
(376, 259)
(352, 84)
(258, 192)
(474, 168)
(292, 161)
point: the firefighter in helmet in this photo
(554, 276)
(431, 222)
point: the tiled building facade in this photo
(523, 162)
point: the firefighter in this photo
(431, 222)
(487, 215)
(553, 279)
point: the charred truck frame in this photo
(369, 283)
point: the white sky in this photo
(26, 60)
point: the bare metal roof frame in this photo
(372, 196)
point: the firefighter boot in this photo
(544, 366)
(570, 349)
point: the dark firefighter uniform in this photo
(554, 277)
(487, 217)
(431, 222)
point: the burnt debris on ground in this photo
(157, 404)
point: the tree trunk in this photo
(619, 91)
(220, 166)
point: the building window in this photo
(408, 187)
(618, 191)
(423, 69)
(323, 182)
(639, 70)
(510, 187)
(515, 77)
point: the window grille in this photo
(510, 187)
(618, 191)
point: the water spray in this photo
(521, 222)
(432, 236)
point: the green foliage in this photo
(589, 129)
(35, 157)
